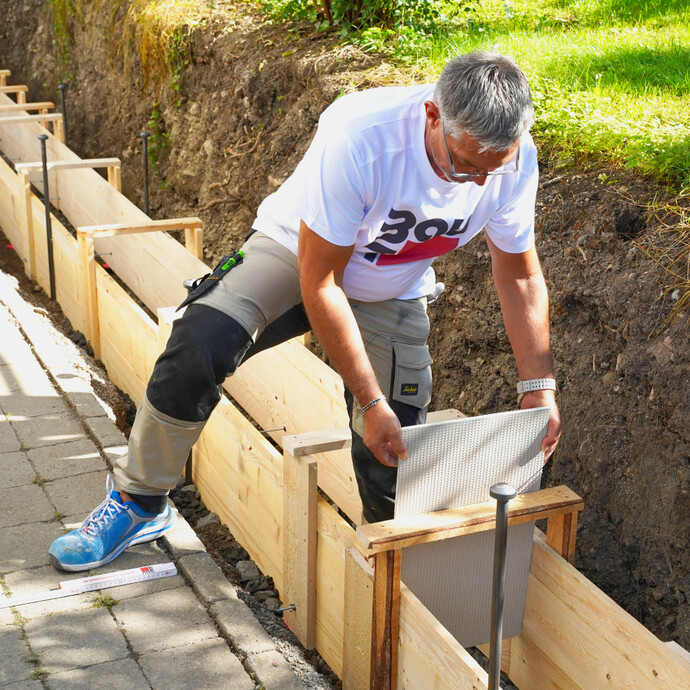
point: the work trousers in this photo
(255, 306)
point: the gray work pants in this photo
(255, 306)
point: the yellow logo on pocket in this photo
(409, 389)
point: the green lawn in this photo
(611, 80)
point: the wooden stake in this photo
(87, 259)
(299, 545)
(561, 531)
(26, 216)
(115, 176)
(386, 620)
(194, 241)
(357, 621)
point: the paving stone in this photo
(14, 346)
(78, 391)
(209, 665)
(26, 546)
(104, 429)
(13, 647)
(123, 674)
(163, 620)
(66, 459)
(274, 672)
(241, 627)
(26, 379)
(77, 495)
(50, 429)
(38, 405)
(24, 504)
(72, 640)
(206, 578)
(42, 580)
(6, 616)
(114, 453)
(137, 556)
(24, 685)
(9, 440)
(181, 538)
(15, 470)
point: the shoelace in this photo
(100, 515)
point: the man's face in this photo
(459, 159)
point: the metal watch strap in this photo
(536, 385)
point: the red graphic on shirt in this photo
(395, 245)
(414, 251)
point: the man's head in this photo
(486, 96)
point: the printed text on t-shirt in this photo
(403, 239)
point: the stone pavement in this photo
(186, 631)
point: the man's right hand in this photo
(383, 434)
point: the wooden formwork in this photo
(573, 636)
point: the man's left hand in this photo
(545, 398)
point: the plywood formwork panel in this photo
(429, 657)
(128, 337)
(143, 263)
(10, 213)
(289, 387)
(623, 652)
(68, 283)
(334, 537)
(240, 476)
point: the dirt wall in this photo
(243, 113)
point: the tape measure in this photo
(69, 588)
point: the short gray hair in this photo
(487, 96)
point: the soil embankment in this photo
(243, 113)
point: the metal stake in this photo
(61, 88)
(502, 493)
(46, 202)
(145, 160)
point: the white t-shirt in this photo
(366, 181)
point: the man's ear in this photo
(433, 115)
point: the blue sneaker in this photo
(107, 532)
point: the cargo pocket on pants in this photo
(412, 375)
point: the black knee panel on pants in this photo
(204, 348)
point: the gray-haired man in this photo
(393, 178)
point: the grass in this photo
(611, 80)
(103, 601)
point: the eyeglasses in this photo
(468, 177)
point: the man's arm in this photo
(525, 305)
(321, 267)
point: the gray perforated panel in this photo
(451, 464)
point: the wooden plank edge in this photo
(444, 524)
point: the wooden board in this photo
(240, 476)
(430, 658)
(455, 522)
(591, 613)
(289, 387)
(357, 623)
(299, 545)
(128, 336)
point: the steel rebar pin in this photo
(46, 202)
(502, 493)
(145, 161)
(291, 607)
(61, 88)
